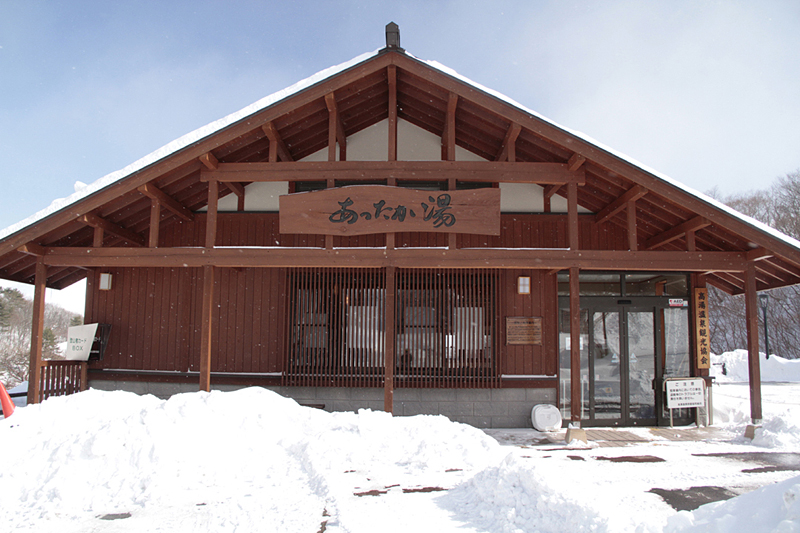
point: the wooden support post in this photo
(572, 216)
(37, 332)
(155, 222)
(392, 75)
(97, 241)
(691, 242)
(754, 363)
(206, 327)
(211, 220)
(449, 133)
(633, 238)
(575, 345)
(389, 340)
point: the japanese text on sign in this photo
(683, 393)
(365, 209)
(702, 335)
(438, 212)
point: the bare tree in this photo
(779, 207)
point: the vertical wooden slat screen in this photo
(335, 327)
(447, 328)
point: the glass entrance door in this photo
(622, 366)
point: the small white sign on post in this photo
(684, 393)
(687, 392)
(79, 342)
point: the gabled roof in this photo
(296, 118)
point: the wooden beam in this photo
(691, 242)
(169, 203)
(37, 332)
(449, 133)
(576, 161)
(507, 150)
(540, 173)
(206, 328)
(335, 129)
(633, 236)
(545, 259)
(211, 217)
(155, 222)
(677, 232)
(90, 219)
(549, 191)
(632, 194)
(275, 138)
(391, 72)
(210, 162)
(32, 249)
(572, 216)
(753, 357)
(759, 254)
(236, 188)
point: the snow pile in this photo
(774, 508)
(732, 367)
(514, 498)
(213, 462)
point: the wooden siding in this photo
(517, 231)
(155, 317)
(530, 360)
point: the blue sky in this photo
(705, 92)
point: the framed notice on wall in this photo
(702, 347)
(523, 330)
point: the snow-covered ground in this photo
(254, 461)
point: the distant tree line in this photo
(779, 207)
(16, 314)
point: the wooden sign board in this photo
(364, 209)
(702, 335)
(523, 330)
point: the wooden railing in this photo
(60, 378)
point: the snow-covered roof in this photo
(218, 125)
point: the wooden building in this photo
(389, 234)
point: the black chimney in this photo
(393, 37)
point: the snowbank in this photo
(242, 458)
(732, 367)
(774, 508)
(514, 497)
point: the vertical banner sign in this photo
(703, 348)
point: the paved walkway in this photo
(610, 437)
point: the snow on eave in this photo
(183, 142)
(711, 202)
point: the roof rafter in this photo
(677, 232)
(95, 221)
(275, 138)
(508, 150)
(170, 203)
(631, 195)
